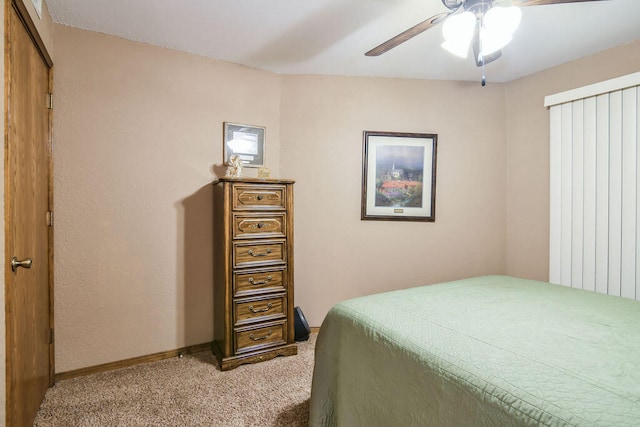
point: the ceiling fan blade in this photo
(545, 2)
(408, 34)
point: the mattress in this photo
(491, 351)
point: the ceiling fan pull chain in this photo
(480, 21)
(484, 79)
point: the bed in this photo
(486, 351)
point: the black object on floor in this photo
(301, 326)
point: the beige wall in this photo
(138, 140)
(138, 131)
(339, 256)
(527, 130)
(44, 27)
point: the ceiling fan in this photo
(487, 25)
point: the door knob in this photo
(26, 263)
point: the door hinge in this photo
(50, 335)
(50, 101)
(49, 218)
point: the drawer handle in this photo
(260, 224)
(261, 310)
(260, 282)
(260, 197)
(264, 337)
(253, 254)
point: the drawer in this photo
(259, 197)
(251, 226)
(263, 336)
(248, 254)
(259, 309)
(258, 281)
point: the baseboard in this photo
(133, 361)
(141, 359)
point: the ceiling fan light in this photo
(499, 25)
(458, 49)
(458, 31)
(502, 21)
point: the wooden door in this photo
(27, 218)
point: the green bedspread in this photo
(487, 351)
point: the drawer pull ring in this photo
(257, 255)
(260, 282)
(264, 337)
(260, 197)
(262, 310)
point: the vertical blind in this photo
(594, 187)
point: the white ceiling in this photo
(331, 36)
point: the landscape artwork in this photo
(399, 175)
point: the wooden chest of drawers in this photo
(253, 270)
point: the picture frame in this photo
(399, 176)
(245, 141)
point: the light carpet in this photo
(187, 391)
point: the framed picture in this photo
(245, 141)
(399, 176)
